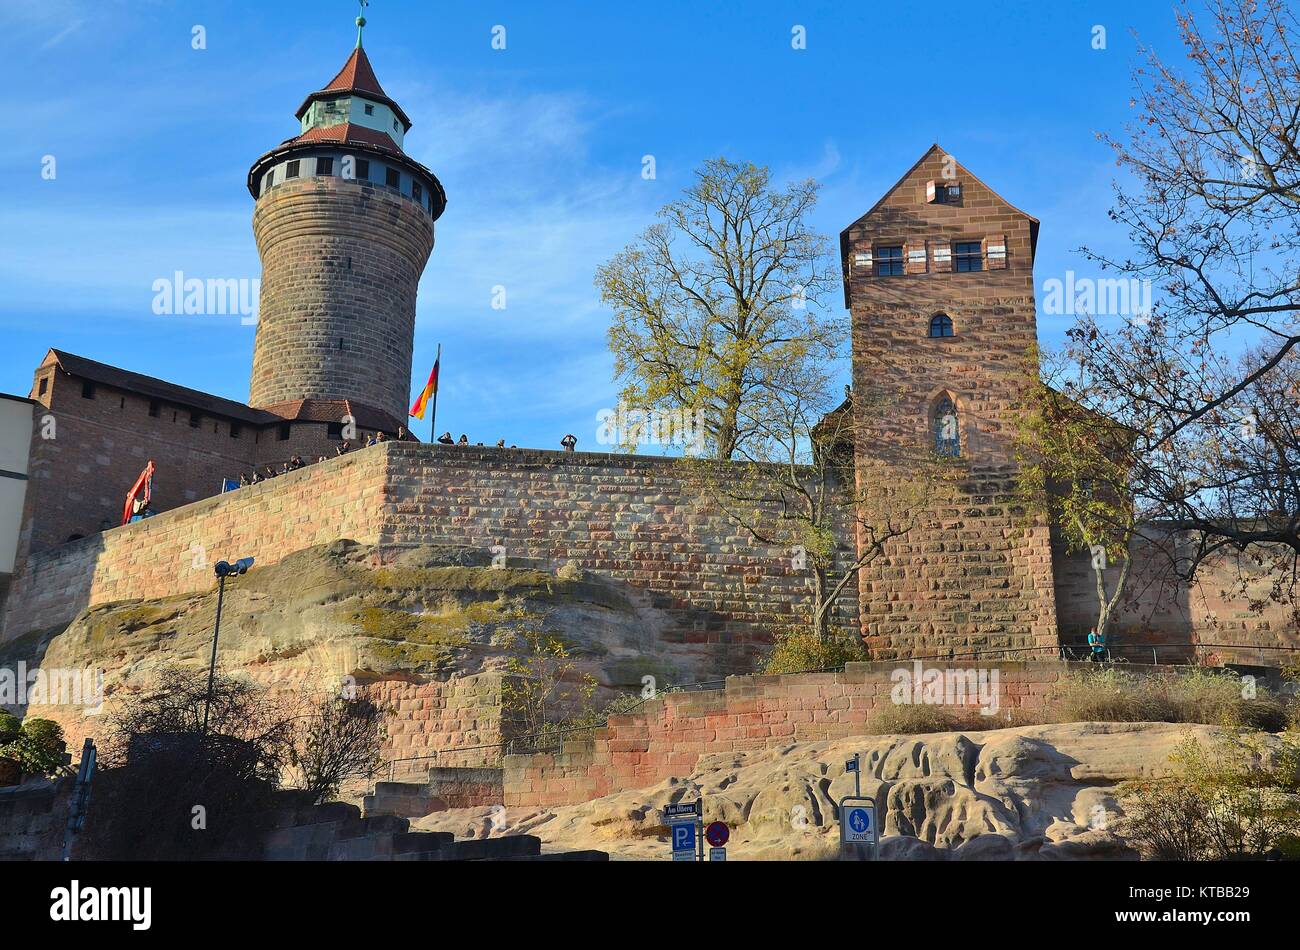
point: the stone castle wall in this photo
(625, 517)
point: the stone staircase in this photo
(337, 832)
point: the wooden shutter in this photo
(941, 257)
(995, 252)
(914, 257)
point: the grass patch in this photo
(1215, 698)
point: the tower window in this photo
(967, 256)
(43, 385)
(87, 389)
(394, 125)
(947, 435)
(155, 407)
(370, 110)
(291, 169)
(268, 181)
(393, 178)
(889, 261)
(417, 192)
(235, 429)
(283, 434)
(195, 420)
(941, 325)
(335, 430)
(324, 166)
(363, 169)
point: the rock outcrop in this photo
(1029, 793)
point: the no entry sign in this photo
(717, 834)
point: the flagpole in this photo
(433, 412)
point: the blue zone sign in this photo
(858, 822)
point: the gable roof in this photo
(128, 381)
(844, 234)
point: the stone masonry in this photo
(967, 578)
(341, 261)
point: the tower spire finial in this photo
(361, 20)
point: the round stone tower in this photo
(344, 225)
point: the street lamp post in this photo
(224, 569)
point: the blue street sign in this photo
(684, 837)
(860, 820)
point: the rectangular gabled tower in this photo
(939, 283)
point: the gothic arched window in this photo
(947, 433)
(941, 325)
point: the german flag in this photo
(431, 387)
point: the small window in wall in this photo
(87, 389)
(941, 325)
(196, 420)
(291, 169)
(235, 429)
(370, 110)
(947, 435)
(155, 407)
(394, 125)
(967, 256)
(363, 169)
(43, 386)
(324, 166)
(889, 261)
(268, 181)
(393, 178)
(121, 403)
(335, 430)
(283, 434)
(417, 192)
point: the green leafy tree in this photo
(1075, 471)
(727, 287)
(543, 687)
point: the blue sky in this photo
(539, 147)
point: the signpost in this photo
(859, 829)
(685, 822)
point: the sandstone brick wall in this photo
(173, 553)
(341, 261)
(622, 516)
(966, 578)
(87, 453)
(1226, 617)
(441, 724)
(667, 737)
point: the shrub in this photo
(36, 746)
(800, 650)
(337, 739)
(1235, 798)
(170, 792)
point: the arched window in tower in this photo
(941, 325)
(947, 433)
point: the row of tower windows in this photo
(360, 172)
(967, 256)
